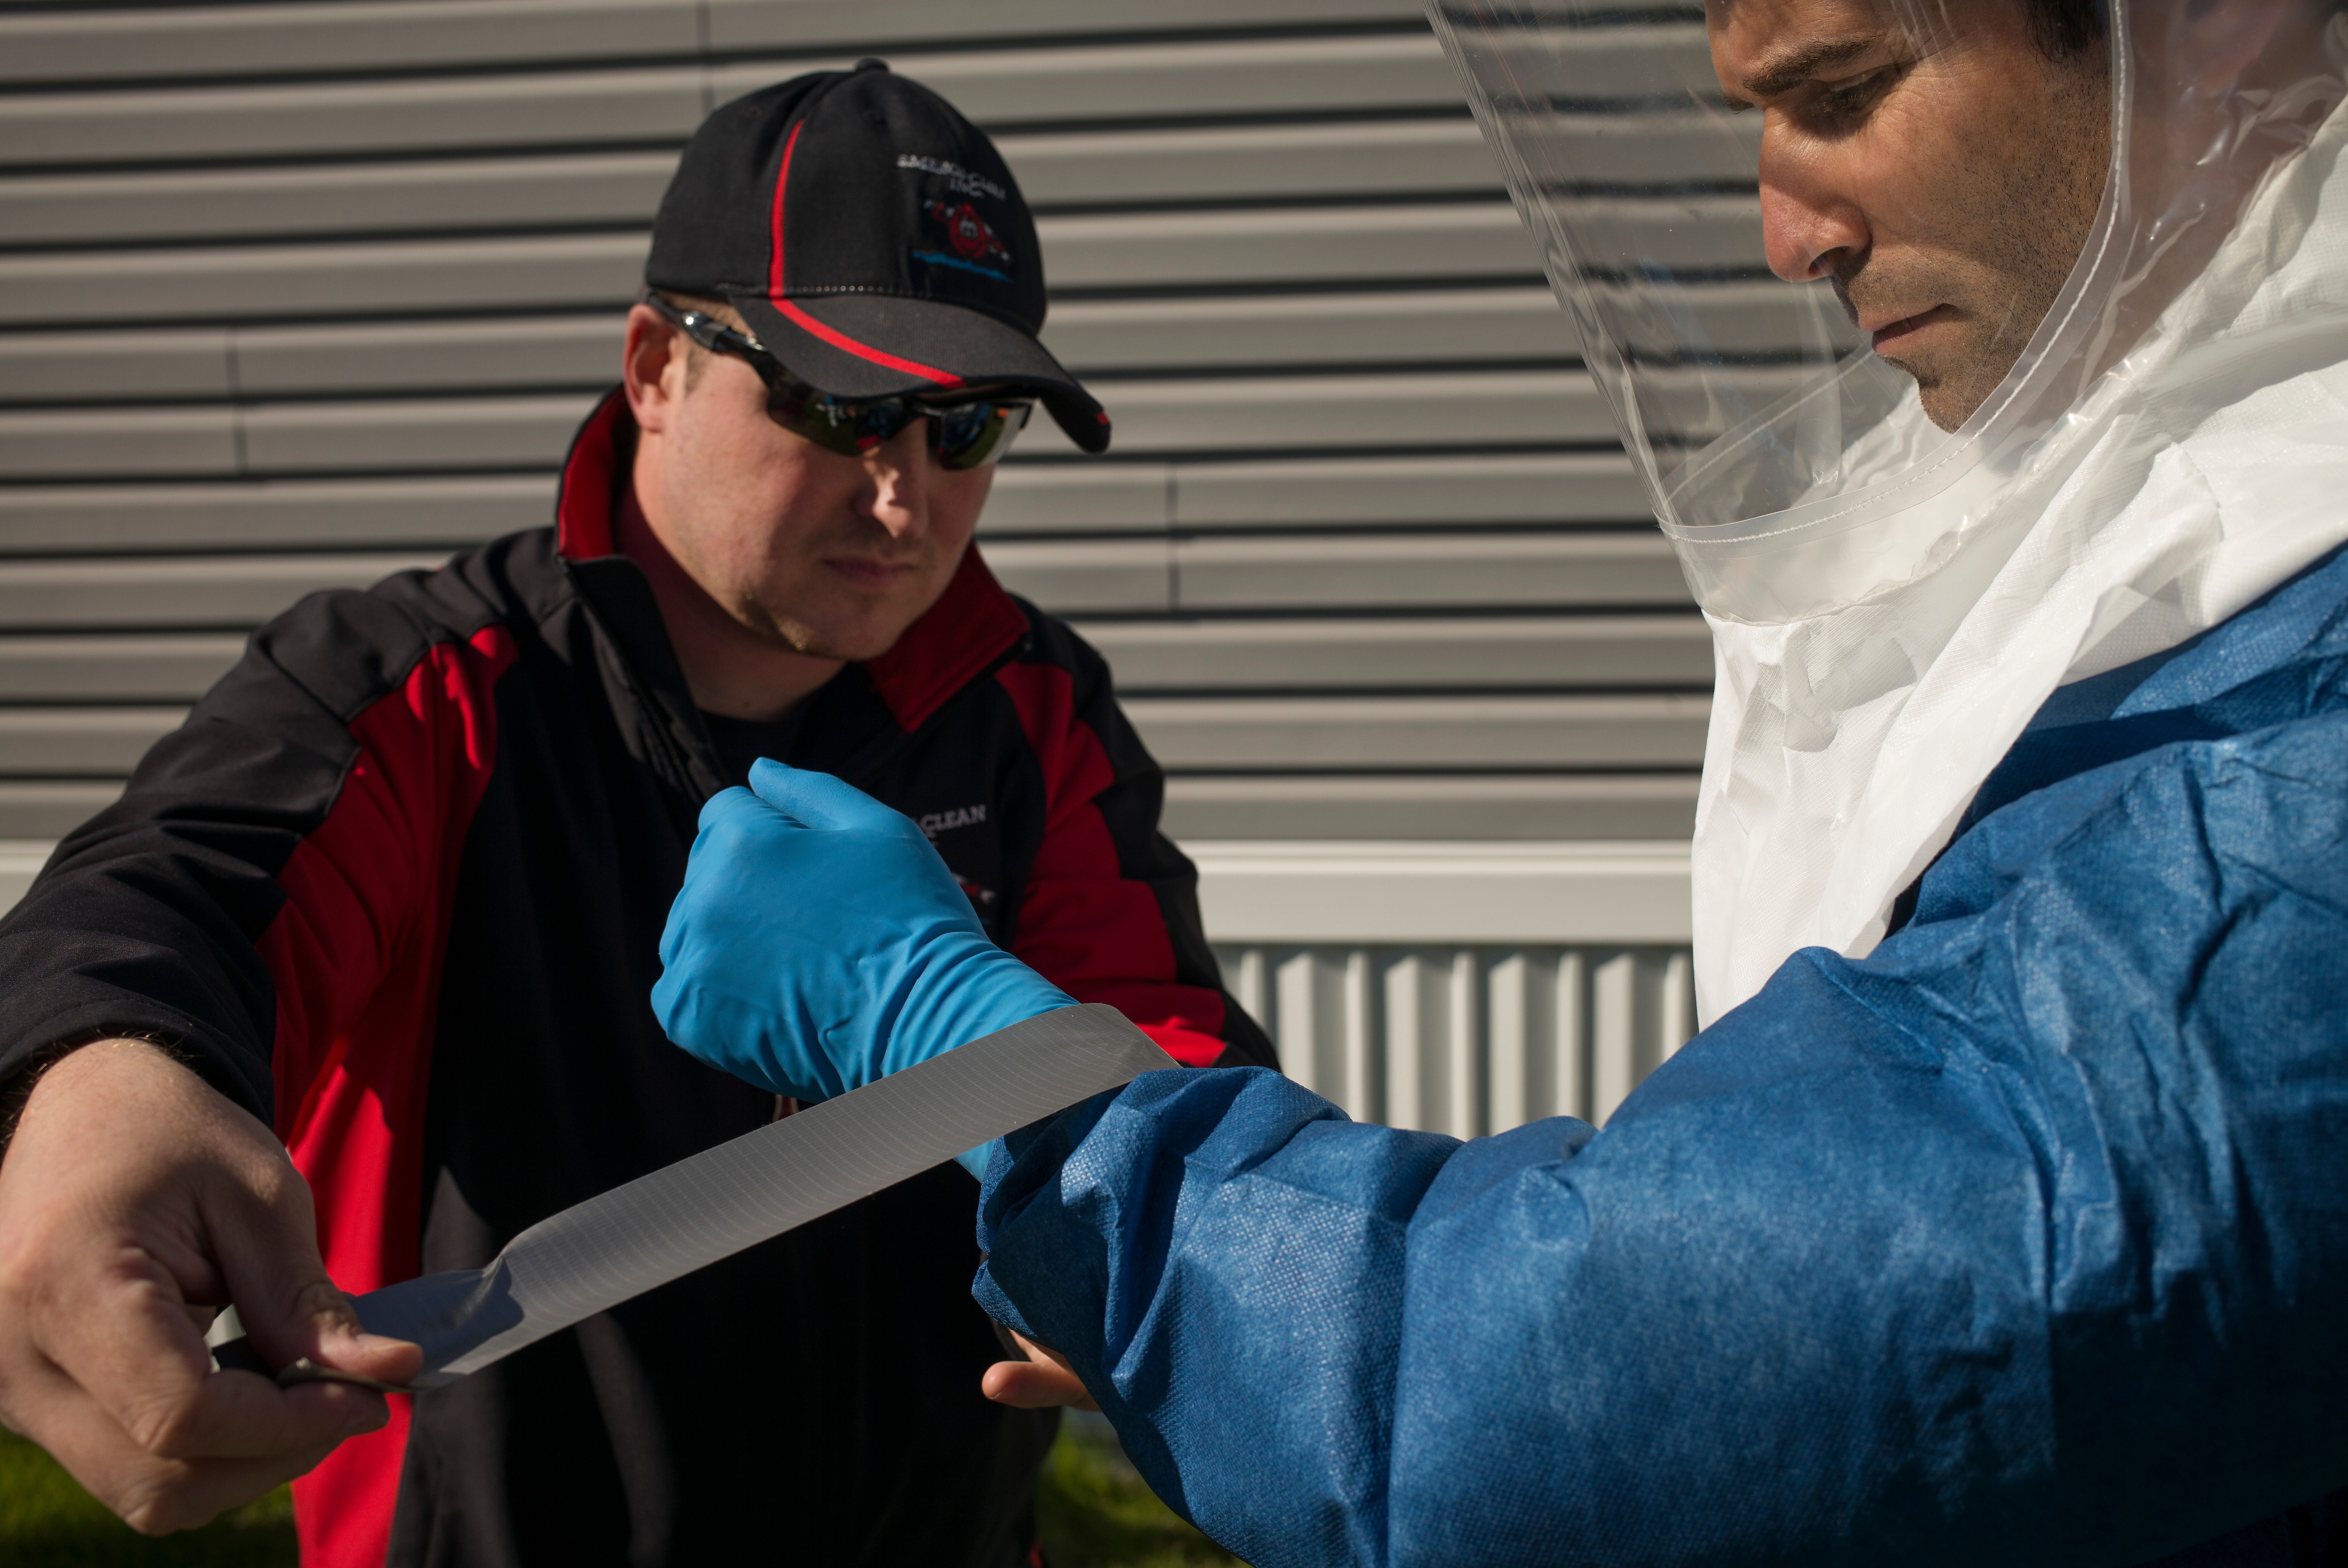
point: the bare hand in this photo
(133, 1199)
(1043, 1378)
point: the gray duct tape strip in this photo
(602, 1252)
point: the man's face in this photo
(1945, 184)
(823, 554)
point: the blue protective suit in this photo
(2024, 1239)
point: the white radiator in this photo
(1468, 1041)
(1459, 988)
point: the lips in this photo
(872, 574)
(1892, 333)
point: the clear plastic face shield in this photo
(1970, 213)
(1966, 348)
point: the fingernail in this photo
(375, 1344)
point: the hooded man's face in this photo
(1945, 183)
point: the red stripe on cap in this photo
(782, 183)
(841, 340)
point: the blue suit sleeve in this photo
(2023, 1240)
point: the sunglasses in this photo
(968, 432)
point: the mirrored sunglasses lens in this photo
(974, 434)
(835, 423)
(812, 417)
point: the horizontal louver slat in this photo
(146, 668)
(117, 442)
(1166, 78)
(1145, 656)
(391, 199)
(1325, 494)
(661, 103)
(238, 591)
(262, 281)
(1521, 408)
(1470, 239)
(1466, 240)
(50, 808)
(1672, 147)
(464, 113)
(1341, 493)
(1089, 336)
(1422, 733)
(1338, 243)
(1088, 575)
(69, 742)
(457, 433)
(1368, 328)
(70, 367)
(1632, 63)
(238, 40)
(91, 44)
(585, 190)
(277, 514)
(1406, 409)
(1430, 805)
(1670, 652)
(773, 23)
(1452, 570)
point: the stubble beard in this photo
(785, 631)
(2032, 223)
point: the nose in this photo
(897, 476)
(1807, 218)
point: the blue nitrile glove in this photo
(819, 943)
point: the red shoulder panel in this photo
(590, 475)
(356, 955)
(972, 624)
(1084, 925)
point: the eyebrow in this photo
(1790, 68)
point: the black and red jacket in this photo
(397, 886)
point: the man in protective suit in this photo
(1998, 1214)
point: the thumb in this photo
(820, 801)
(290, 1307)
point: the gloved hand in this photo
(819, 943)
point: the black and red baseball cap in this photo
(872, 240)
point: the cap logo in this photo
(962, 180)
(972, 239)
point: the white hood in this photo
(2205, 468)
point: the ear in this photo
(652, 368)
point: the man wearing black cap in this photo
(385, 913)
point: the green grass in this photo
(47, 1520)
(1095, 1513)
